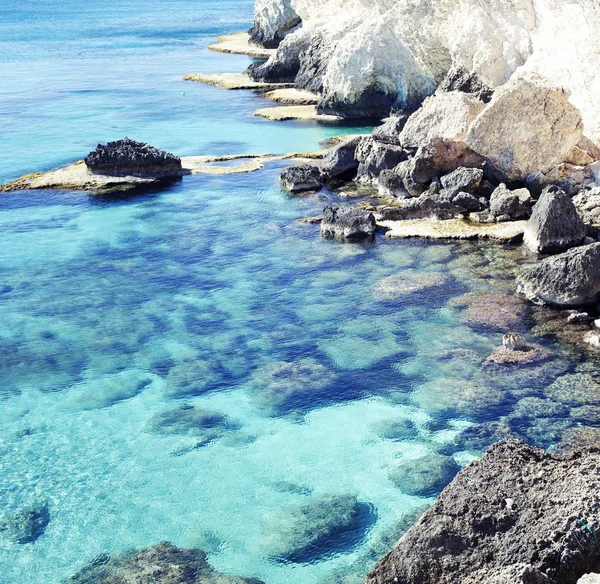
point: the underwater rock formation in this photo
(426, 476)
(26, 525)
(519, 515)
(302, 532)
(130, 158)
(159, 564)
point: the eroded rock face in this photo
(518, 515)
(529, 126)
(160, 564)
(374, 157)
(555, 224)
(587, 203)
(273, 19)
(130, 158)
(341, 162)
(507, 205)
(347, 223)
(568, 280)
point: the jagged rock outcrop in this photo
(587, 203)
(273, 19)
(400, 51)
(567, 280)
(160, 564)
(507, 205)
(554, 224)
(519, 515)
(341, 162)
(130, 158)
(347, 223)
(529, 126)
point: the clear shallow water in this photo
(114, 311)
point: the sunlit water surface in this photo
(115, 310)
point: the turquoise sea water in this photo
(207, 293)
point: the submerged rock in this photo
(569, 279)
(490, 310)
(191, 378)
(160, 564)
(301, 178)
(578, 439)
(399, 286)
(426, 476)
(284, 386)
(554, 224)
(529, 126)
(130, 158)
(479, 437)
(520, 514)
(396, 429)
(463, 179)
(312, 529)
(26, 525)
(347, 223)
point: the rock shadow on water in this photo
(316, 530)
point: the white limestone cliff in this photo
(405, 48)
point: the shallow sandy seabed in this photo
(454, 229)
(238, 43)
(294, 112)
(234, 81)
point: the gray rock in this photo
(341, 162)
(518, 515)
(303, 532)
(467, 201)
(460, 79)
(569, 279)
(426, 476)
(130, 158)
(374, 156)
(347, 223)
(554, 224)
(396, 429)
(26, 525)
(283, 66)
(587, 203)
(270, 26)
(423, 207)
(301, 178)
(316, 53)
(389, 133)
(514, 342)
(390, 184)
(510, 205)
(160, 564)
(463, 179)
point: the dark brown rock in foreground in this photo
(160, 564)
(520, 515)
(130, 158)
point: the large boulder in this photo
(347, 223)
(568, 279)
(273, 19)
(130, 158)
(529, 126)
(520, 515)
(301, 178)
(554, 224)
(587, 203)
(374, 157)
(389, 132)
(446, 116)
(160, 564)
(341, 162)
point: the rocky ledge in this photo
(519, 515)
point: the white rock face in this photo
(446, 116)
(272, 20)
(409, 45)
(529, 126)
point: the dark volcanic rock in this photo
(459, 79)
(554, 224)
(301, 178)
(159, 564)
(463, 179)
(374, 102)
(26, 525)
(520, 515)
(426, 476)
(284, 65)
(569, 279)
(347, 222)
(374, 156)
(423, 207)
(389, 133)
(314, 58)
(507, 205)
(130, 158)
(341, 161)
